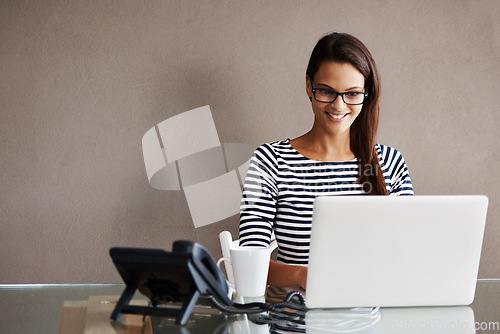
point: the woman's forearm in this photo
(285, 275)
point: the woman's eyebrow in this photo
(320, 84)
(354, 87)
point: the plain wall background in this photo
(82, 81)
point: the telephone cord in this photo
(294, 300)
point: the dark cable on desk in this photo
(294, 300)
(284, 321)
(238, 308)
(288, 302)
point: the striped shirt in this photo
(280, 188)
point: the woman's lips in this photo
(336, 117)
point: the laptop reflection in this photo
(411, 320)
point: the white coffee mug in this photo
(250, 267)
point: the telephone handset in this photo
(165, 277)
(211, 280)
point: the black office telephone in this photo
(165, 277)
(178, 278)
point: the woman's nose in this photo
(338, 103)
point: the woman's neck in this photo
(319, 146)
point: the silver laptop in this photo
(395, 251)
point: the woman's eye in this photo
(326, 92)
(353, 94)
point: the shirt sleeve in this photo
(400, 177)
(258, 202)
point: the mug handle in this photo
(222, 259)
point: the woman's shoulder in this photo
(388, 154)
(275, 148)
(278, 144)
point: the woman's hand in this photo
(302, 276)
(285, 275)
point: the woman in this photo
(338, 156)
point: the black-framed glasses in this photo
(328, 96)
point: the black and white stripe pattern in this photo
(280, 188)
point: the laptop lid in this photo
(395, 251)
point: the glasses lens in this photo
(354, 97)
(323, 95)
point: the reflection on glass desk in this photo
(385, 320)
(86, 308)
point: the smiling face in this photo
(335, 118)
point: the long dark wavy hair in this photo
(345, 48)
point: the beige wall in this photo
(81, 83)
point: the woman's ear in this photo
(309, 88)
